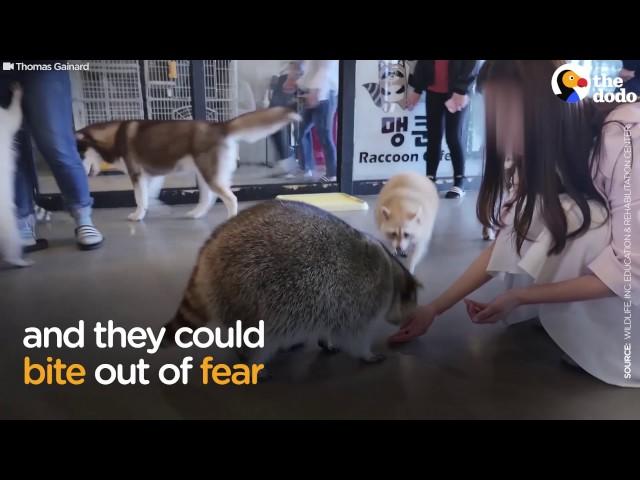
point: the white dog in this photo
(10, 121)
(405, 214)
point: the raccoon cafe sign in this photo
(388, 139)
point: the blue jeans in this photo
(48, 118)
(322, 117)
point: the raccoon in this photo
(308, 274)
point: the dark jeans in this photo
(281, 137)
(437, 115)
(321, 117)
(281, 141)
(48, 118)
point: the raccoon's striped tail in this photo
(189, 315)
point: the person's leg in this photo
(24, 178)
(306, 143)
(323, 119)
(47, 107)
(25, 182)
(435, 118)
(279, 141)
(25, 175)
(453, 124)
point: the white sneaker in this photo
(88, 237)
(455, 192)
(285, 166)
(308, 174)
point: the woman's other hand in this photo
(494, 311)
(460, 101)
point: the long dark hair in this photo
(558, 141)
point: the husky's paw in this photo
(327, 347)
(197, 212)
(42, 215)
(374, 358)
(136, 216)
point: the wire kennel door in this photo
(109, 90)
(221, 89)
(168, 89)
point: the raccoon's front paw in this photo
(137, 215)
(265, 375)
(374, 358)
(295, 347)
(327, 347)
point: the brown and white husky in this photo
(152, 149)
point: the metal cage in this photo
(113, 90)
(109, 90)
(168, 89)
(221, 89)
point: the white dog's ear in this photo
(415, 215)
(386, 213)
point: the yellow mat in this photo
(333, 202)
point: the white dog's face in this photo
(400, 227)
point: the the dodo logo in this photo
(570, 83)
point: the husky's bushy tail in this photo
(254, 126)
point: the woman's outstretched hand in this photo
(417, 324)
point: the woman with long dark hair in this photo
(565, 211)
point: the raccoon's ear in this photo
(386, 213)
(416, 215)
(80, 136)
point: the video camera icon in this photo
(8, 66)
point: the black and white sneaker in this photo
(455, 192)
(88, 237)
